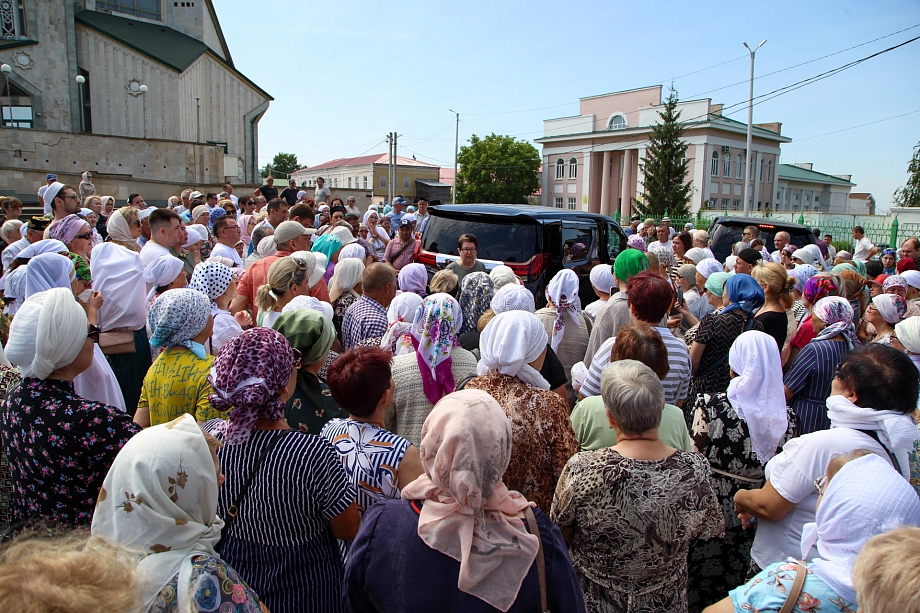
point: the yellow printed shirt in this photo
(177, 383)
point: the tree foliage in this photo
(909, 195)
(282, 165)
(497, 169)
(664, 167)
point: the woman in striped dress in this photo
(299, 499)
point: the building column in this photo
(626, 204)
(756, 193)
(605, 185)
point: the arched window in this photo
(727, 166)
(762, 166)
(739, 167)
(714, 170)
(573, 168)
(560, 168)
(617, 122)
(770, 171)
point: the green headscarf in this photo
(80, 267)
(839, 268)
(860, 267)
(628, 264)
(328, 245)
(308, 331)
(715, 284)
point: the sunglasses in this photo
(93, 333)
(85, 235)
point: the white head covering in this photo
(810, 254)
(908, 332)
(708, 266)
(144, 213)
(319, 270)
(512, 297)
(170, 468)
(308, 258)
(347, 274)
(509, 343)
(912, 277)
(503, 275)
(353, 251)
(119, 274)
(118, 228)
(162, 271)
(48, 271)
(730, 264)
(211, 279)
(267, 247)
(602, 278)
(195, 235)
(48, 245)
(309, 302)
(51, 192)
(756, 393)
(865, 498)
(563, 291)
(48, 333)
(400, 315)
(887, 307)
(696, 255)
(15, 288)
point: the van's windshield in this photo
(502, 241)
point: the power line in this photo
(799, 140)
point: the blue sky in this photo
(345, 73)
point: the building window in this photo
(558, 203)
(383, 181)
(349, 182)
(727, 166)
(405, 182)
(571, 204)
(573, 168)
(16, 106)
(365, 182)
(739, 166)
(560, 168)
(148, 9)
(714, 170)
(335, 182)
(13, 20)
(762, 165)
(736, 205)
(770, 171)
(17, 116)
(617, 122)
(725, 204)
(751, 168)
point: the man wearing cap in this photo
(747, 259)
(289, 237)
(401, 251)
(34, 232)
(143, 217)
(289, 193)
(322, 193)
(63, 200)
(49, 180)
(164, 234)
(396, 215)
(666, 221)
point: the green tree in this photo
(664, 167)
(909, 195)
(282, 165)
(497, 169)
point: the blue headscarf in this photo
(744, 293)
(328, 245)
(214, 215)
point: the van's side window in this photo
(614, 245)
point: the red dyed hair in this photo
(359, 378)
(650, 296)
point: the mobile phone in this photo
(680, 295)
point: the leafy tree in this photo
(909, 195)
(497, 169)
(282, 165)
(665, 167)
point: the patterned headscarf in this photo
(665, 256)
(636, 242)
(744, 293)
(563, 292)
(476, 293)
(211, 279)
(891, 307)
(215, 214)
(802, 273)
(434, 332)
(66, 229)
(247, 373)
(837, 313)
(513, 298)
(400, 315)
(176, 317)
(817, 288)
(893, 281)
(81, 268)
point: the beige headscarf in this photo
(120, 232)
(468, 513)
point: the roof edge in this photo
(625, 91)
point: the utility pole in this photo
(389, 167)
(748, 163)
(453, 191)
(198, 120)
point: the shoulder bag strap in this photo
(874, 435)
(401, 251)
(234, 509)
(541, 564)
(793, 596)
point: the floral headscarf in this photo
(434, 332)
(247, 373)
(665, 256)
(81, 268)
(837, 313)
(65, 230)
(563, 292)
(476, 293)
(891, 307)
(636, 242)
(802, 273)
(400, 315)
(819, 287)
(176, 317)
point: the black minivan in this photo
(536, 242)
(724, 232)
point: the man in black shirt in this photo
(269, 191)
(289, 193)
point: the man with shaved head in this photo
(779, 241)
(367, 317)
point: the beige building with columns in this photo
(591, 160)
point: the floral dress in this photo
(719, 565)
(9, 377)
(339, 306)
(768, 590)
(633, 521)
(217, 587)
(717, 332)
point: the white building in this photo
(799, 188)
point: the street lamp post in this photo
(143, 90)
(453, 199)
(6, 69)
(80, 81)
(747, 159)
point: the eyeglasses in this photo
(298, 359)
(93, 333)
(85, 235)
(820, 484)
(69, 196)
(468, 249)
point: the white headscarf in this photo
(118, 228)
(503, 275)
(509, 343)
(352, 251)
(15, 288)
(48, 271)
(347, 274)
(48, 333)
(309, 302)
(696, 255)
(563, 291)
(267, 247)
(512, 297)
(400, 315)
(908, 332)
(162, 271)
(160, 498)
(119, 274)
(865, 498)
(602, 278)
(196, 234)
(756, 393)
(810, 254)
(708, 266)
(48, 245)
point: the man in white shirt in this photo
(666, 221)
(701, 241)
(227, 234)
(164, 233)
(779, 241)
(831, 250)
(864, 247)
(322, 193)
(421, 215)
(664, 238)
(236, 201)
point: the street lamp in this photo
(143, 90)
(748, 164)
(453, 199)
(80, 81)
(6, 69)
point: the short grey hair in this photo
(10, 230)
(701, 235)
(261, 232)
(173, 201)
(633, 396)
(785, 235)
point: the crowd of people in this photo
(262, 403)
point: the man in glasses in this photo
(63, 199)
(750, 233)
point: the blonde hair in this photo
(89, 199)
(63, 575)
(885, 572)
(130, 214)
(443, 282)
(779, 283)
(282, 274)
(484, 319)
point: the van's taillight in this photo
(426, 257)
(529, 271)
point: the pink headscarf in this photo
(465, 450)
(243, 222)
(66, 229)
